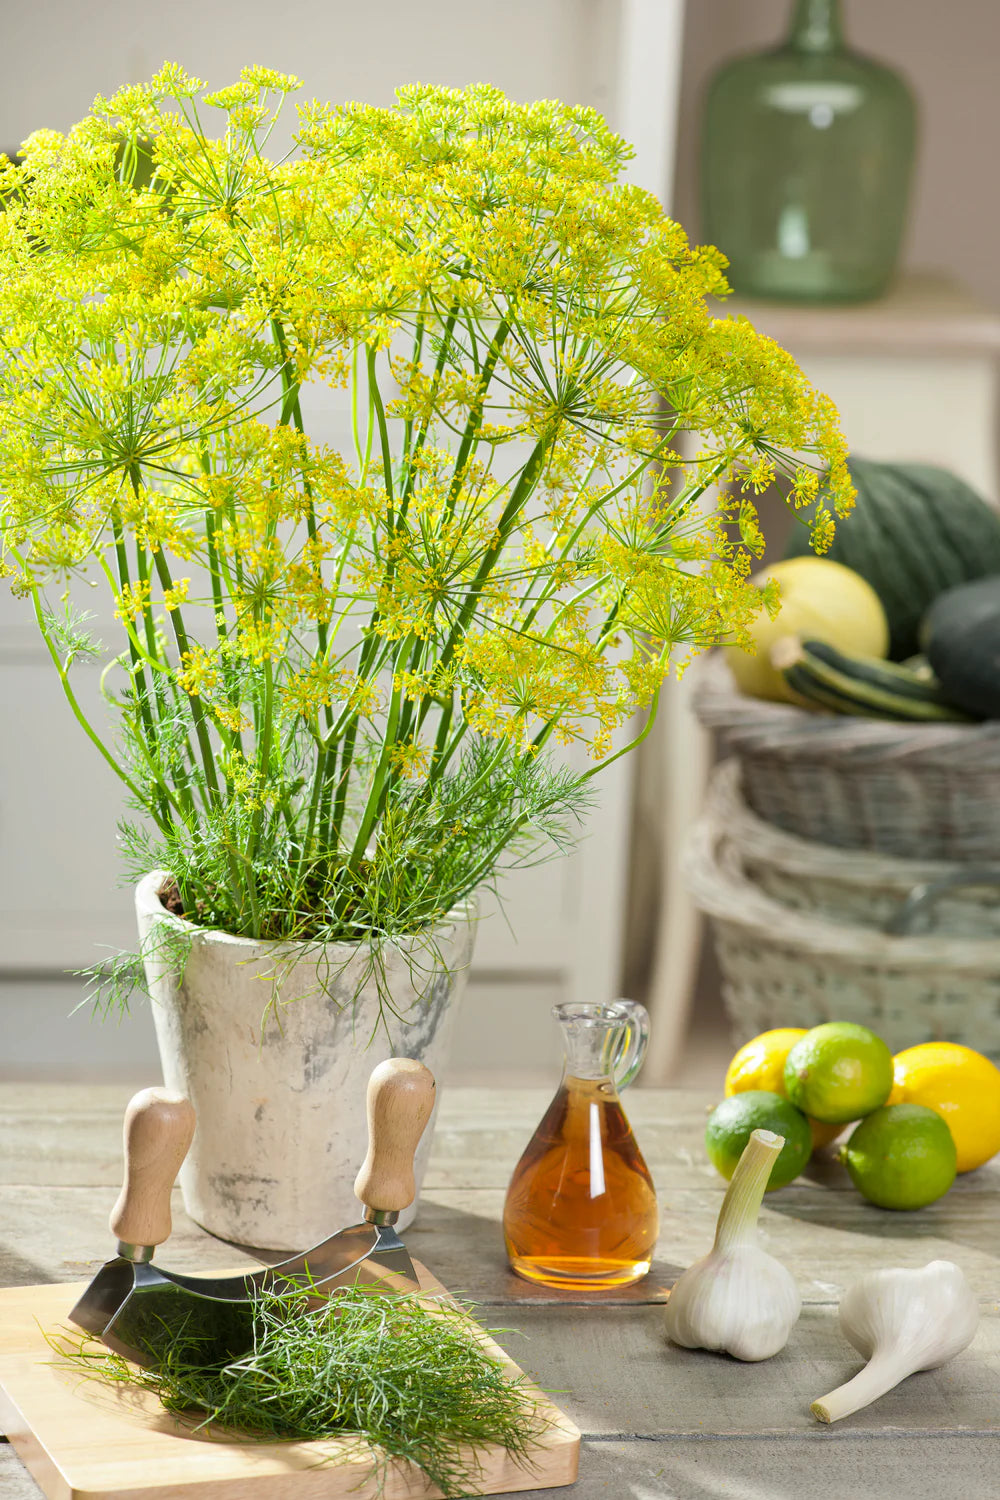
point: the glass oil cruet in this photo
(580, 1210)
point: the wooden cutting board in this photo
(82, 1439)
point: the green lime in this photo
(838, 1072)
(731, 1122)
(902, 1156)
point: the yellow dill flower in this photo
(175, 596)
(544, 498)
(200, 671)
(409, 759)
(132, 600)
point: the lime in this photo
(838, 1072)
(902, 1156)
(760, 1064)
(730, 1125)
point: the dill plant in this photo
(341, 678)
(410, 1380)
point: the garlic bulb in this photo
(737, 1298)
(901, 1321)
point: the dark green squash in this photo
(962, 636)
(915, 531)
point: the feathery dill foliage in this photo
(414, 1384)
(340, 675)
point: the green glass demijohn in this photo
(807, 156)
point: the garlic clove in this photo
(901, 1321)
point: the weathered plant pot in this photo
(274, 1043)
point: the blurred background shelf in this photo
(914, 375)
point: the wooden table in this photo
(660, 1423)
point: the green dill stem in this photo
(149, 629)
(213, 562)
(363, 458)
(138, 673)
(444, 748)
(343, 781)
(442, 359)
(370, 814)
(465, 451)
(263, 756)
(78, 713)
(521, 493)
(145, 746)
(197, 713)
(609, 760)
(315, 797)
(472, 426)
(383, 432)
(293, 407)
(418, 346)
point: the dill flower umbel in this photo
(340, 674)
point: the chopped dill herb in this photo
(411, 1379)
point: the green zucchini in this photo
(821, 676)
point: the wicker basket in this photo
(854, 886)
(783, 967)
(918, 791)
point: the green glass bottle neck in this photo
(817, 26)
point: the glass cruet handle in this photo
(631, 1041)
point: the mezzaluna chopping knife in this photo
(137, 1308)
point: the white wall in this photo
(57, 54)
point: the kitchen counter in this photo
(659, 1423)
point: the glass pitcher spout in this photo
(604, 1041)
(581, 1210)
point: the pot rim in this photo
(148, 904)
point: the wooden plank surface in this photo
(84, 1440)
(659, 1423)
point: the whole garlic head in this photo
(737, 1299)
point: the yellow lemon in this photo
(960, 1085)
(760, 1064)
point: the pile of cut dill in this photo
(414, 1383)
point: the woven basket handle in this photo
(923, 898)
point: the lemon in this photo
(732, 1121)
(760, 1064)
(960, 1085)
(838, 1072)
(901, 1156)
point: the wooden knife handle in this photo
(400, 1101)
(157, 1133)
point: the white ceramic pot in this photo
(274, 1043)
